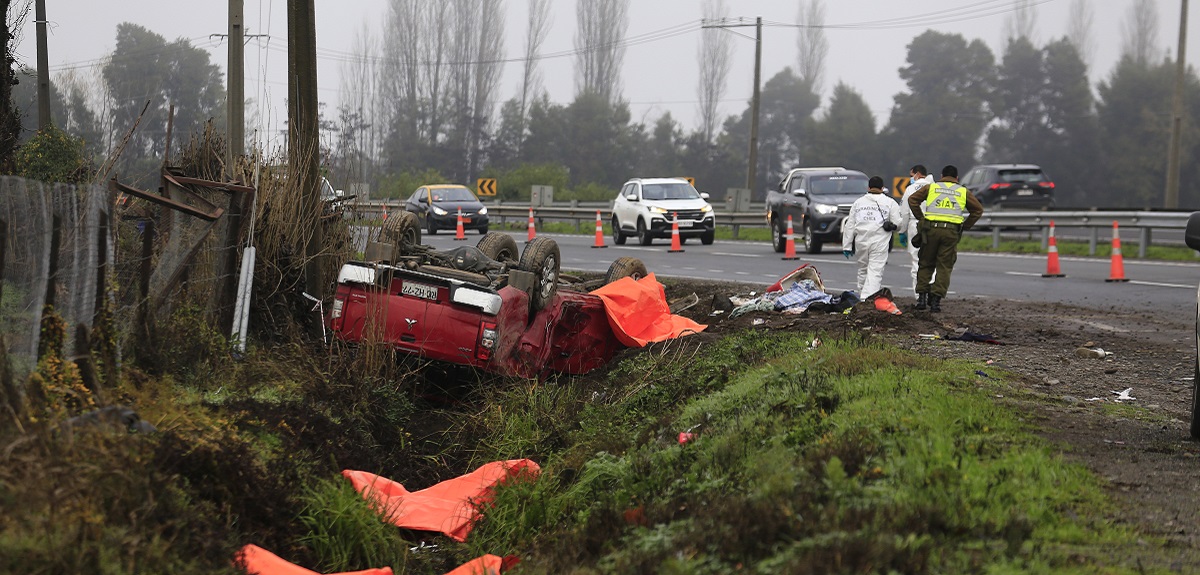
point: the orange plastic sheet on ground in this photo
(450, 507)
(486, 565)
(259, 561)
(638, 312)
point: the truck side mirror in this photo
(704, 195)
(631, 197)
(799, 192)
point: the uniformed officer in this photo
(941, 226)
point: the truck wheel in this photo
(618, 237)
(402, 230)
(625, 267)
(708, 237)
(541, 258)
(500, 247)
(811, 244)
(778, 236)
(431, 226)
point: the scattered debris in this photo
(929, 336)
(1123, 395)
(982, 373)
(758, 321)
(815, 343)
(1092, 353)
(679, 304)
(685, 437)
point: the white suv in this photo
(647, 206)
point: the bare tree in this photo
(487, 76)
(811, 43)
(599, 39)
(1079, 30)
(715, 53)
(1021, 22)
(1140, 32)
(535, 34)
(358, 142)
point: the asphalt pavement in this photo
(978, 276)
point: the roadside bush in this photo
(516, 184)
(53, 156)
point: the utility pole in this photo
(236, 81)
(303, 138)
(43, 64)
(1172, 199)
(752, 160)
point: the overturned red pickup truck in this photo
(481, 306)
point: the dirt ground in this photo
(1139, 447)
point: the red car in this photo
(478, 306)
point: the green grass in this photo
(852, 457)
(345, 532)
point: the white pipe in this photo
(241, 309)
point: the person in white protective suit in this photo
(908, 227)
(867, 232)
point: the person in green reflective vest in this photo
(940, 226)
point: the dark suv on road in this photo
(817, 199)
(1191, 236)
(1021, 186)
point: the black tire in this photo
(430, 226)
(617, 235)
(811, 244)
(778, 236)
(500, 247)
(402, 230)
(644, 236)
(625, 267)
(708, 238)
(483, 231)
(542, 258)
(682, 240)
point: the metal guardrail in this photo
(1144, 222)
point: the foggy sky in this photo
(658, 76)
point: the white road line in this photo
(1024, 274)
(1161, 284)
(738, 255)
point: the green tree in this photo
(785, 118)
(1018, 104)
(1072, 147)
(664, 150)
(10, 119)
(941, 117)
(845, 136)
(592, 138)
(146, 68)
(1134, 112)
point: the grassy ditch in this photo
(848, 457)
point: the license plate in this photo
(466, 220)
(685, 224)
(1024, 192)
(419, 290)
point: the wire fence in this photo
(77, 252)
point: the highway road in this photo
(1152, 285)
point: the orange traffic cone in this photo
(789, 251)
(1052, 269)
(532, 229)
(1118, 262)
(458, 229)
(599, 232)
(385, 212)
(676, 247)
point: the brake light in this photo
(1049, 185)
(999, 186)
(488, 334)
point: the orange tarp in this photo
(486, 565)
(450, 507)
(638, 312)
(259, 561)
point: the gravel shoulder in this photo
(1139, 447)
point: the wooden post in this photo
(52, 265)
